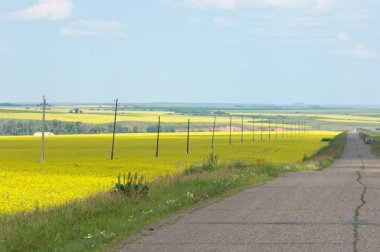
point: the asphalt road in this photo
(337, 209)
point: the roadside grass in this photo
(375, 146)
(327, 155)
(91, 224)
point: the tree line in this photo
(29, 127)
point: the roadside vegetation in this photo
(78, 166)
(375, 145)
(94, 223)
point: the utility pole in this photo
(283, 127)
(242, 129)
(304, 126)
(114, 129)
(287, 130)
(276, 130)
(299, 130)
(291, 129)
(269, 122)
(213, 136)
(299, 127)
(188, 137)
(43, 104)
(230, 139)
(253, 129)
(158, 135)
(261, 130)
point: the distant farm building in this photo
(46, 134)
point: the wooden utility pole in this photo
(287, 129)
(242, 129)
(158, 135)
(261, 130)
(43, 104)
(253, 129)
(304, 126)
(298, 127)
(276, 130)
(269, 129)
(283, 127)
(230, 138)
(114, 129)
(213, 136)
(291, 129)
(188, 137)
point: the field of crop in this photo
(341, 118)
(77, 166)
(107, 116)
(104, 114)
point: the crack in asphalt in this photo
(361, 205)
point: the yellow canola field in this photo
(107, 116)
(89, 116)
(78, 166)
(368, 119)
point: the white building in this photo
(46, 134)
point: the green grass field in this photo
(77, 166)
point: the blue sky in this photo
(230, 51)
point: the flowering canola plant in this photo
(78, 166)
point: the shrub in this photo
(209, 165)
(132, 185)
(305, 157)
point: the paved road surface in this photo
(337, 209)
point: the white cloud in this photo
(275, 3)
(363, 52)
(342, 36)
(223, 4)
(324, 4)
(45, 9)
(222, 21)
(232, 4)
(88, 28)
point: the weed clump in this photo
(210, 164)
(132, 185)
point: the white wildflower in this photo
(190, 195)
(89, 236)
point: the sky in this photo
(209, 51)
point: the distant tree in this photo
(136, 129)
(75, 111)
(151, 129)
